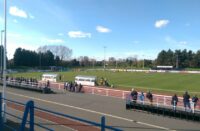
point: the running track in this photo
(91, 107)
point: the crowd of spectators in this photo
(73, 87)
(20, 80)
(187, 102)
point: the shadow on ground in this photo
(10, 125)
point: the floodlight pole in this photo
(40, 61)
(104, 58)
(143, 61)
(4, 67)
(93, 62)
(177, 61)
(2, 31)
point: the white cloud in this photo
(15, 21)
(102, 29)
(139, 54)
(13, 45)
(14, 35)
(31, 16)
(17, 12)
(161, 23)
(175, 43)
(136, 42)
(170, 40)
(60, 34)
(78, 34)
(183, 42)
(18, 40)
(187, 24)
(1, 20)
(52, 41)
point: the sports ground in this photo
(164, 83)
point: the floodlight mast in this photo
(4, 65)
(104, 57)
(2, 31)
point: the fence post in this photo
(106, 92)
(193, 107)
(103, 121)
(123, 96)
(1, 119)
(29, 106)
(157, 100)
(164, 101)
(31, 116)
(92, 90)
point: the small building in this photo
(86, 80)
(163, 68)
(50, 77)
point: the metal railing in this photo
(30, 109)
(167, 103)
(159, 100)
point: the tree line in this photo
(47, 56)
(179, 58)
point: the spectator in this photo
(141, 97)
(195, 100)
(60, 77)
(101, 81)
(150, 97)
(80, 87)
(134, 95)
(48, 84)
(65, 85)
(186, 100)
(174, 101)
(75, 87)
(70, 86)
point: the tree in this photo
(57, 61)
(84, 61)
(63, 52)
(161, 58)
(197, 59)
(29, 58)
(47, 58)
(112, 61)
(17, 57)
(165, 58)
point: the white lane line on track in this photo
(91, 111)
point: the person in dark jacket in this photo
(174, 101)
(150, 97)
(48, 83)
(195, 100)
(80, 87)
(134, 95)
(186, 100)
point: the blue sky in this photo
(128, 28)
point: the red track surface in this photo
(57, 119)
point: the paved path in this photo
(91, 107)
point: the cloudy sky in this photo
(127, 28)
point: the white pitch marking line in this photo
(87, 110)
